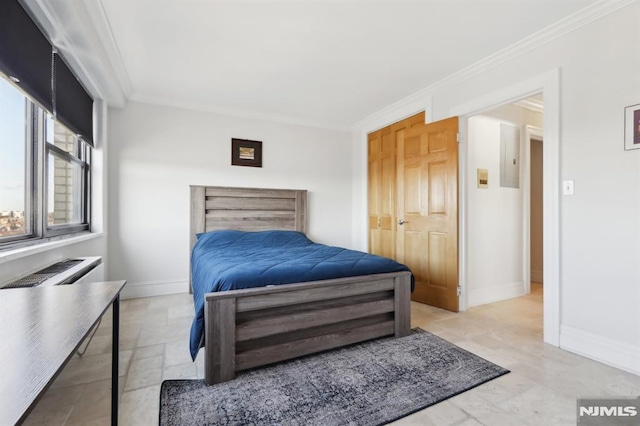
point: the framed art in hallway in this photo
(632, 127)
(246, 153)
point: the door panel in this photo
(374, 146)
(437, 172)
(387, 181)
(427, 190)
(382, 192)
(412, 199)
(437, 259)
(437, 143)
(415, 250)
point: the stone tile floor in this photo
(541, 389)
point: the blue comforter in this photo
(230, 260)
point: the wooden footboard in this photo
(249, 328)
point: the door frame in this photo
(549, 84)
(530, 133)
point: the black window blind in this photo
(29, 59)
(74, 107)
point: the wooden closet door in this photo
(413, 203)
(382, 186)
(382, 192)
(427, 211)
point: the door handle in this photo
(402, 221)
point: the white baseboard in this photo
(496, 293)
(153, 288)
(536, 276)
(608, 351)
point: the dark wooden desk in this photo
(40, 330)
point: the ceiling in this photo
(327, 62)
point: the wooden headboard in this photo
(216, 208)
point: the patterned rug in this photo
(370, 383)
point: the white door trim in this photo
(529, 132)
(549, 84)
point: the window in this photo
(44, 162)
(67, 178)
(15, 164)
(44, 172)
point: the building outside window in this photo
(44, 172)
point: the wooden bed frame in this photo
(253, 327)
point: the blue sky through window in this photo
(12, 147)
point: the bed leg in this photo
(402, 296)
(220, 341)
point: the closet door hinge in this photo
(458, 137)
(459, 291)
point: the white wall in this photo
(495, 234)
(156, 152)
(599, 276)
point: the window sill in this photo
(18, 253)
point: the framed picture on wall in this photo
(246, 153)
(632, 127)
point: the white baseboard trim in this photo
(536, 276)
(496, 293)
(602, 349)
(134, 290)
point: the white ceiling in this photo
(330, 62)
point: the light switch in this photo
(567, 187)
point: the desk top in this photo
(40, 329)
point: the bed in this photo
(250, 327)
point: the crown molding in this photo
(531, 104)
(98, 16)
(97, 60)
(570, 23)
(396, 112)
(238, 113)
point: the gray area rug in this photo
(370, 383)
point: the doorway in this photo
(504, 222)
(547, 83)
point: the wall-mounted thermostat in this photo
(483, 178)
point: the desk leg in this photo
(114, 360)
